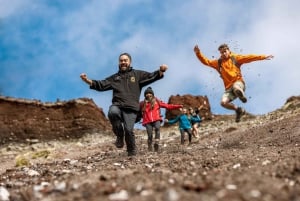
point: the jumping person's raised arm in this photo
(204, 60)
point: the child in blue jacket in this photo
(184, 124)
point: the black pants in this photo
(189, 132)
(122, 121)
(149, 128)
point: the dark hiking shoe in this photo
(119, 142)
(241, 96)
(132, 153)
(150, 148)
(156, 147)
(239, 113)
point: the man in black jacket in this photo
(126, 84)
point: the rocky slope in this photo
(257, 159)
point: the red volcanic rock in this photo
(22, 119)
(187, 101)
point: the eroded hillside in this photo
(23, 119)
(257, 159)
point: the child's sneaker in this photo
(239, 113)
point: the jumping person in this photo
(228, 66)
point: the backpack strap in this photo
(219, 65)
(233, 59)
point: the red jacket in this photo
(152, 115)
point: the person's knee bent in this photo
(114, 113)
(223, 103)
(238, 86)
(235, 90)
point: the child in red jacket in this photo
(151, 115)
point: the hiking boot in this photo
(132, 153)
(241, 96)
(239, 113)
(150, 147)
(156, 147)
(119, 142)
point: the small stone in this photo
(231, 187)
(119, 196)
(4, 194)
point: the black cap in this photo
(148, 90)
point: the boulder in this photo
(200, 102)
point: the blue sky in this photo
(46, 44)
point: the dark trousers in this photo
(149, 128)
(189, 132)
(122, 121)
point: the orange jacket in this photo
(229, 72)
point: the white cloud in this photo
(89, 37)
(272, 82)
(8, 8)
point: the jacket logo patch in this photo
(132, 79)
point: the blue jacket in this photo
(195, 119)
(184, 121)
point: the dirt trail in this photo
(255, 160)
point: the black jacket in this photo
(126, 86)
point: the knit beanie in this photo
(148, 90)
